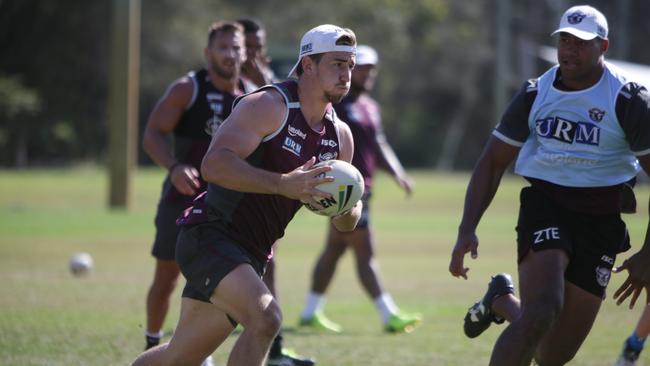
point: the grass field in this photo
(48, 317)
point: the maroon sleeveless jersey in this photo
(254, 220)
(208, 108)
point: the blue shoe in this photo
(480, 316)
(628, 357)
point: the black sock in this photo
(276, 347)
(152, 341)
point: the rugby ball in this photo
(81, 264)
(346, 189)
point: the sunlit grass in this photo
(48, 317)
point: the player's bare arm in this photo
(255, 117)
(481, 189)
(395, 167)
(163, 119)
(347, 221)
(638, 265)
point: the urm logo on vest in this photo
(561, 129)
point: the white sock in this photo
(313, 303)
(158, 334)
(386, 306)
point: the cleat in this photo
(403, 323)
(290, 358)
(628, 357)
(321, 322)
(479, 317)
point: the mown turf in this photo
(49, 317)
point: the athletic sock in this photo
(635, 342)
(386, 306)
(313, 303)
(153, 339)
(276, 347)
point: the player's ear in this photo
(307, 64)
(604, 45)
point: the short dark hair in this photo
(223, 27)
(348, 39)
(250, 25)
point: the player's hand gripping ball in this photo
(346, 189)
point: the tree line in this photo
(437, 65)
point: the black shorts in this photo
(205, 256)
(591, 241)
(364, 220)
(164, 245)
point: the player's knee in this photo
(267, 322)
(164, 287)
(164, 281)
(365, 257)
(538, 316)
(332, 254)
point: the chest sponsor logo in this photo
(212, 125)
(330, 143)
(327, 156)
(293, 131)
(211, 97)
(290, 145)
(550, 233)
(567, 131)
(602, 275)
(216, 107)
(596, 114)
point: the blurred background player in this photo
(191, 108)
(635, 342)
(361, 112)
(256, 69)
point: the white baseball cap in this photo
(320, 40)
(584, 22)
(366, 55)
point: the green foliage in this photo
(437, 56)
(16, 99)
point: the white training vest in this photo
(576, 139)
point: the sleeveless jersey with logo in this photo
(207, 109)
(576, 139)
(363, 116)
(254, 220)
